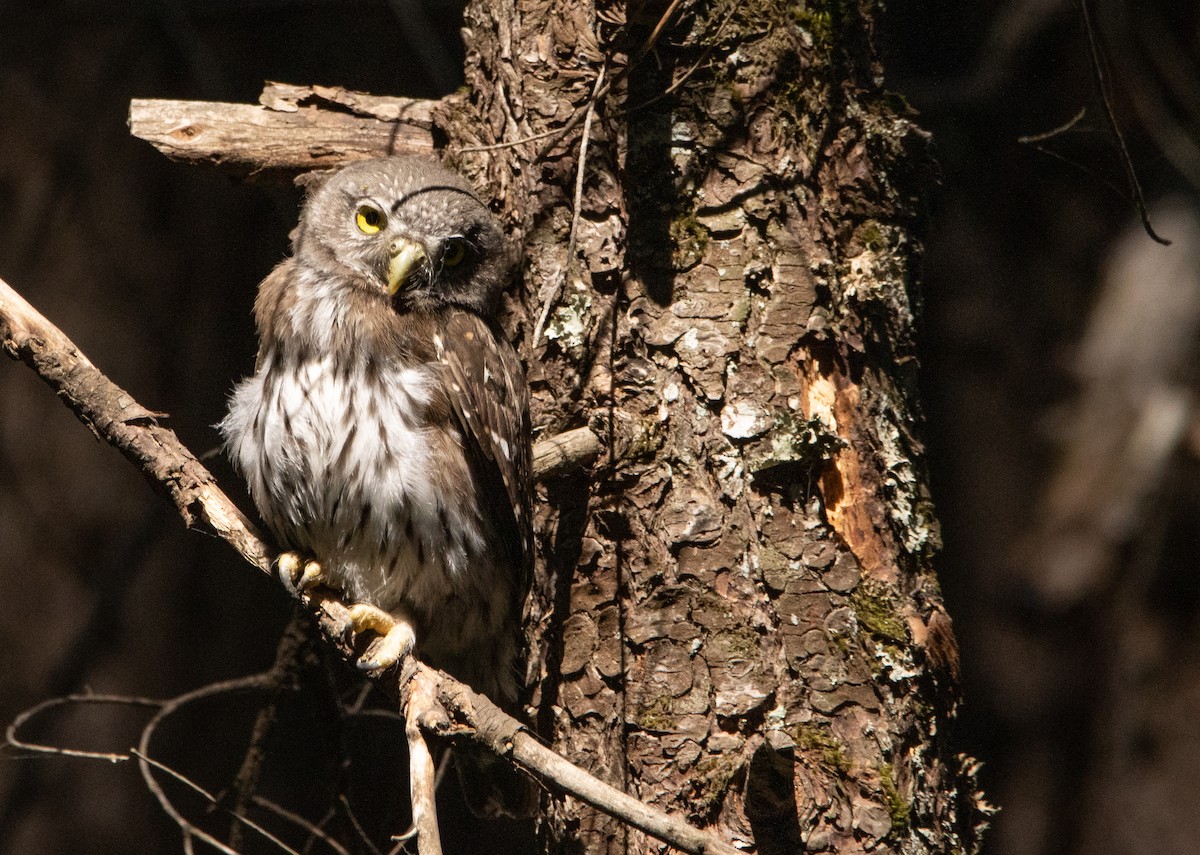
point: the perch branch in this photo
(115, 417)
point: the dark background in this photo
(1058, 341)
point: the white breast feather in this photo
(384, 449)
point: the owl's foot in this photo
(297, 573)
(396, 636)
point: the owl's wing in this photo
(489, 401)
(273, 292)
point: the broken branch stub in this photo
(295, 129)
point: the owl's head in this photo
(409, 227)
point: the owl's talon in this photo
(297, 574)
(396, 636)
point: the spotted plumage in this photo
(385, 431)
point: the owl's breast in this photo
(353, 466)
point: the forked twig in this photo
(295, 818)
(287, 658)
(147, 763)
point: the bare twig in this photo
(357, 826)
(1135, 186)
(658, 29)
(1036, 141)
(288, 656)
(189, 829)
(1054, 132)
(119, 420)
(577, 208)
(294, 818)
(544, 135)
(255, 682)
(10, 735)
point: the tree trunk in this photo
(737, 618)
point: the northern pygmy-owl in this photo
(385, 431)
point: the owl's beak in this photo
(406, 256)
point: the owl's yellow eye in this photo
(455, 252)
(369, 219)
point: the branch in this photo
(292, 130)
(559, 454)
(443, 705)
(422, 777)
(114, 416)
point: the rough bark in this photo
(740, 620)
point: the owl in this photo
(384, 434)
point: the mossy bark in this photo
(736, 618)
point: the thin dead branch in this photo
(147, 763)
(114, 416)
(422, 776)
(358, 828)
(288, 658)
(576, 210)
(11, 737)
(294, 130)
(1098, 73)
(314, 830)
(1055, 132)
